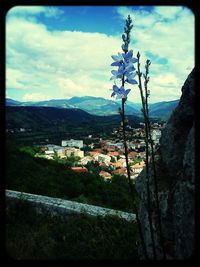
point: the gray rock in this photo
(175, 168)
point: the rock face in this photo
(175, 169)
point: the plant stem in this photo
(129, 177)
(156, 194)
(144, 110)
(153, 157)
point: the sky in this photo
(57, 52)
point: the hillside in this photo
(163, 109)
(55, 179)
(101, 106)
(37, 235)
(40, 117)
(36, 124)
(93, 105)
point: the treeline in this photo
(30, 174)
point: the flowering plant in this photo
(124, 61)
(126, 73)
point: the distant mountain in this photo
(93, 105)
(11, 102)
(163, 109)
(101, 106)
(57, 103)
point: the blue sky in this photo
(57, 52)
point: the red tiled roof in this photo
(113, 153)
(105, 174)
(120, 171)
(79, 169)
(94, 153)
(133, 154)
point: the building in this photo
(22, 130)
(74, 152)
(121, 163)
(104, 158)
(121, 171)
(138, 167)
(132, 154)
(79, 169)
(85, 160)
(53, 149)
(79, 153)
(61, 153)
(156, 134)
(142, 154)
(72, 143)
(49, 152)
(94, 155)
(113, 153)
(105, 175)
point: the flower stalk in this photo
(126, 74)
(148, 140)
(145, 115)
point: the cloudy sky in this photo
(57, 52)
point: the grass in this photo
(30, 235)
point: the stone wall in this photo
(175, 168)
(58, 206)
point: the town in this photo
(107, 154)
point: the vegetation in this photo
(53, 178)
(30, 235)
(55, 124)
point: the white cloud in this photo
(165, 80)
(34, 97)
(61, 64)
(26, 11)
(168, 12)
(168, 33)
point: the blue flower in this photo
(125, 72)
(120, 92)
(132, 81)
(128, 57)
(117, 74)
(130, 78)
(117, 57)
(124, 62)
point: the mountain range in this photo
(101, 106)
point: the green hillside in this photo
(51, 178)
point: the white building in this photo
(79, 153)
(156, 134)
(22, 130)
(104, 158)
(49, 152)
(61, 153)
(72, 143)
(85, 160)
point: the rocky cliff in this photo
(175, 169)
